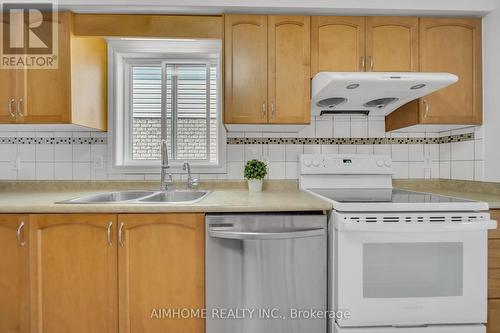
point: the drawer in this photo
(493, 325)
(494, 283)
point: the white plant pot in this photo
(255, 185)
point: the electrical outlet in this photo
(16, 163)
(99, 163)
(427, 162)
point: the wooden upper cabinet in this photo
(11, 81)
(74, 92)
(245, 69)
(337, 44)
(8, 96)
(161, 265)
(392, 44)
(73, 264)
(452, 46)
(289, 69)
(46, 92)
(14, 277)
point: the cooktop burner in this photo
(383, 195)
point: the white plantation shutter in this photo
(189, 90)
(146, 91)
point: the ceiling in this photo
(308, 7)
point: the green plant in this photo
(255, 169)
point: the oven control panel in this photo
(345, 164)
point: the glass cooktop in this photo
(383, 195)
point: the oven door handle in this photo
(427, 227)
(250, 235)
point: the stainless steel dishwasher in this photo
(266, 273)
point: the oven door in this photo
(409, 275)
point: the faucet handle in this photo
(195, 181)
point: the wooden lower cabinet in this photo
(14, 274)
(73, 264)
(161, 266)
(70, 273)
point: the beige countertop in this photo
(41, 197)
(278, 196)
(478, 191)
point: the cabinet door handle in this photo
(20, 113)
(363, 64)
(120, 235)
(19, 232)
(426, 108)
(9, 107)
(109, 234)
(372, 63)
(264, 109)
(273, 110)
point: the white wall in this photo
(491, 42)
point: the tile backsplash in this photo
(457, 154)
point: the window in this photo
(173, 92)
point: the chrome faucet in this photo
(190, 181)
(164, 184)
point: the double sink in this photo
(142, 197)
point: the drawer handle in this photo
(120, 235)
(426, 108)
(19, 233)
(250, 235)
(362, 63)
(9, 107)
(19, 108)
(109, 234)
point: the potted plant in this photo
(255, 171)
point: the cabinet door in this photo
(8, 90)
(14, 276)
(161, 266)
(493, 325)
(392, 44)
(337, 44)
(47, 91)
(453, 46)
(289, 69)
(245, 69)
(7, 95)
(73, 263)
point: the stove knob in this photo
(315, 163)
(388, 163)
(307, 163)
(380, 163)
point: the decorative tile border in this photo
(53, 141)
(350, 141)
(265, 141)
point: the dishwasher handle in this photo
(251, 235)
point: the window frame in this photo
(125, 53)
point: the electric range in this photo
(399, 261)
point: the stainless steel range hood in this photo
(372, 93)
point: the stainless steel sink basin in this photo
(176, 196)
(110, 197)
(141, 197)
